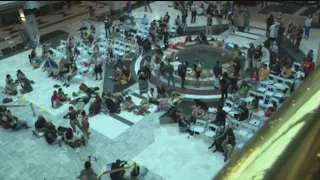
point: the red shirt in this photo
(307, 66)
(91, 38)
(139, 41)
(54, 97)
(254, 77)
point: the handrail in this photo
(21, 105)
(134, 164)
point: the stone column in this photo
(29, 25)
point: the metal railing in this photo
(21, 105)
(134, 164)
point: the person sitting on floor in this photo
(55, 100)
(35, 60)
(11, 87)
(26, 86)
(62, 96)
(112, 106)
(95, 106)
(70, 75)
(151, 97)
(126, 75)
(63, 69)
(73, 139)
(243, 89)
(264, 72)
(21, 76)
(163, 104)
(14, 122)
(161, 90)
(51, 134)
(128, 104)
(87, 173)
(243, 113)
(40, 124)
(198, 111)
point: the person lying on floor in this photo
(92, 90)
(95, 106)
(128, 104)
(152, 98)
(13, 122)
(55, 100)
(74, 139)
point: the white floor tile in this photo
(107, 125)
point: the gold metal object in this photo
(290, 141)
(22, 105)
(134, 164)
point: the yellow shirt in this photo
(264, 73)
(286, 72)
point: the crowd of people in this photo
(254, 60)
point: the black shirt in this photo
(217, 70)
(250, 52)
(209, 21)
(111, 105)
(126, 72)
(257, 54)
(40, 124)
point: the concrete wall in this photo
(36, 4)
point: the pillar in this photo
(318, 56)
(29, 24)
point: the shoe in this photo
(67, 85)
(210, 147)
(64, 84)
(225, 158)
(214, 151)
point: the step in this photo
(246, 35)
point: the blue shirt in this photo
(85, 24)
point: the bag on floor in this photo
(6, 100)
(123, 82)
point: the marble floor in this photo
(163, 149)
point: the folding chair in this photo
(228, 106)
(10, 42)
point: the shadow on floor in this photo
(52, 38)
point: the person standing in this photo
(307, 26)
(147, 5)
(219, 15)
(72, 115)
(217, 71)
(250, 57)
(129, 8)
(182, 71)
(292, 31)
(270, 21)
(107, 25)
(247, 17)
(169, 70)
(257, 56)
(235, 16)
(224, 85)
(298, 37)
(194, 8)
(264, 2)
(274, 31)
(281, 32)
(226, 8)
(197, 68)
(209, 26)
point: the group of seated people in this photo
(11, 85)
(58, 98)
(9, 121)
(55, 135)
(121, 75)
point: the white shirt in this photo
(144, 20)
(274, 48)
(194, 7)
(273, 31)
(73, 139)
(308, 22)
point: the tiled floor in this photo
(165, 151)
